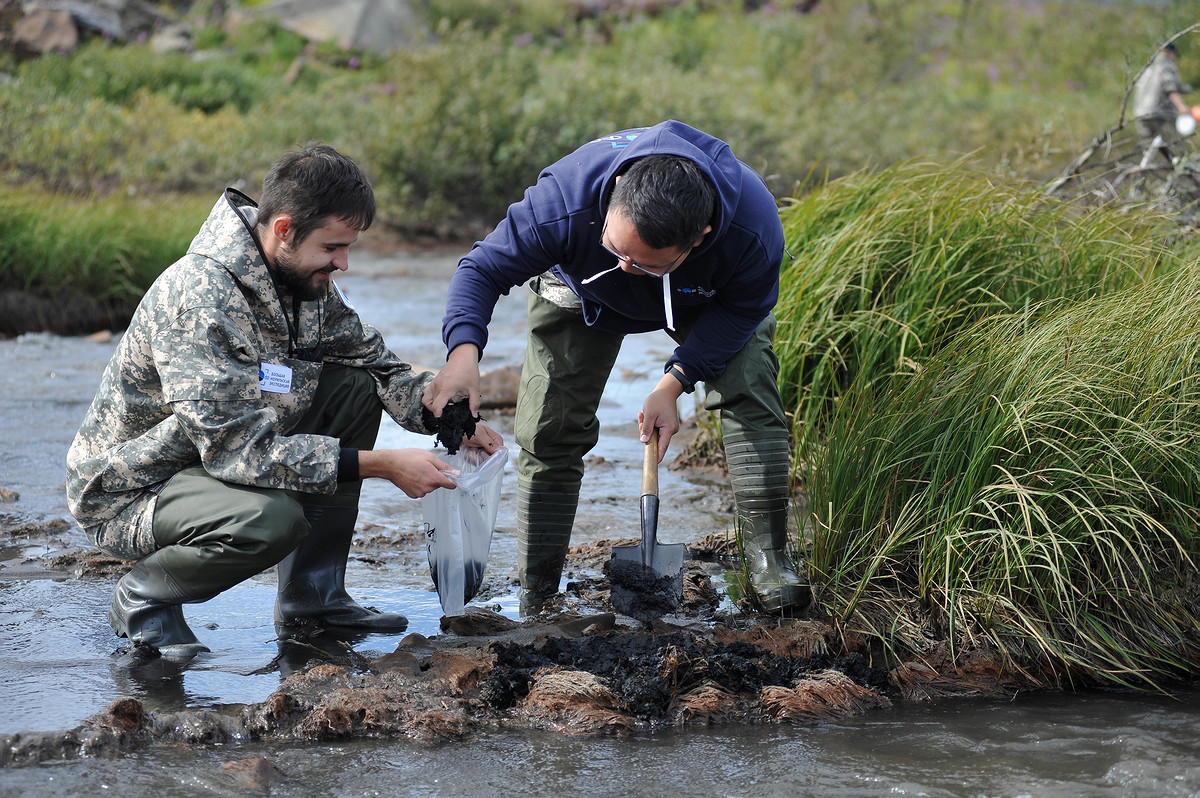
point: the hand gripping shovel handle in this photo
(650, 498)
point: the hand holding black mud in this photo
(455, 424)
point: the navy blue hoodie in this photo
(731, 279)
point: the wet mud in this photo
(643, 593)
(579, 668)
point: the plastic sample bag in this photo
(459, 525)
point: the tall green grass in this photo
(1033, 488)
(890, 265)
(110, 249)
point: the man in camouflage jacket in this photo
(238, 415)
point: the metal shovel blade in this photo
(647, 579)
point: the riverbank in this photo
(71, 690)
(582, 669)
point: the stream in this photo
(60, 662)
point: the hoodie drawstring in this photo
(666, 283)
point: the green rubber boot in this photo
(312, 579)
(544, 521)
(758, 472)
(146, 609)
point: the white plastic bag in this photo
(459, 525)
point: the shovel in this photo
(647, 579)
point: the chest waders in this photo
(544, 521)
(758, 473)
(312, 579)
(754, 435)
(146, 609)
(211, 536)
(562, 380)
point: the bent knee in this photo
(276, 525)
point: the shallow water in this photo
(1058, 746)
(59, 662)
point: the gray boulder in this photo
(44, 31)
(124, 20)
(380, 26)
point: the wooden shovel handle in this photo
(650, 466)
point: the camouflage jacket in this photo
(183, 387)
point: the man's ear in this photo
(700, 240)
(281, 227)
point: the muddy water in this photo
(60, 663)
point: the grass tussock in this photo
(889, 266)
(1034, 487)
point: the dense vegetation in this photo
(996, 406)
(453, 129)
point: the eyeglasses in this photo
(661, 272)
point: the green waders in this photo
(566, 367)
(211, 536)
(754, 435)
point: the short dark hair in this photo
(668, 199)
(314, 184)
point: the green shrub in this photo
(455, 130)
(117, 74)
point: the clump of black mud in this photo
(643, 593)
(455, 423)
(648, 673)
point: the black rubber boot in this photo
(544, 521)
(758, 472)
(312, 579)
(146, 609)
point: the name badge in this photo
(275, 378)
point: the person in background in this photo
(1158, 105)
(646, 229)
(236, 420)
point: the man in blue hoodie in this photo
(646, 229)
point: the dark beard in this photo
(287, 275)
